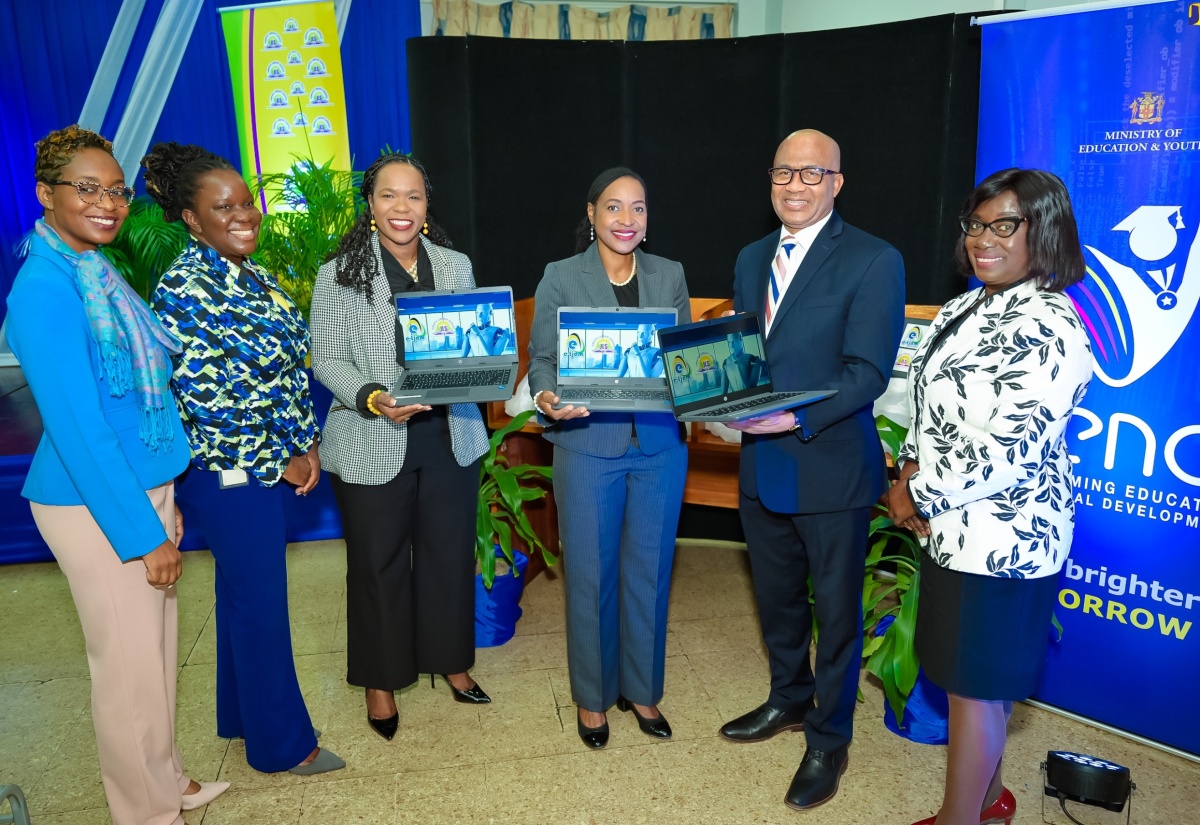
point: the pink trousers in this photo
(132, 631)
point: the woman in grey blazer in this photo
(406, 478)
(618, 477)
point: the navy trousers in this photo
(618, 518)
(258, 696)
(786, 550)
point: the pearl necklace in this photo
(632, 272)
(412, 270)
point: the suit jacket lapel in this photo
(444, 276)
(823, 245)
(595, 279)
(651, 289)
(381, 298)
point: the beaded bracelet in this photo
(371, 408)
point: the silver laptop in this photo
(609, 360)
(718, 371)
(459, 346)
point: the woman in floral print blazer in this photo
(985, 476)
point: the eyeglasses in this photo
(93, 193)
(810, 175)
(1001, 227)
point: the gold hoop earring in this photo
(373, 227)
(425, 228)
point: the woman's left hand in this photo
(314, 472)
(899, 503)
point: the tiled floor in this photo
(517, 760)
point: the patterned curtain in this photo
(564, 21)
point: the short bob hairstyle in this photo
(1055, 256)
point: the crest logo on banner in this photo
(1146, 109)
(1135, 309)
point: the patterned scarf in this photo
(133, 346)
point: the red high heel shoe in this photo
(1002, 810)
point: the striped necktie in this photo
(779, 278)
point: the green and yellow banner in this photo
(287, 86)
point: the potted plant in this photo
(313, 206)
(890, 588)
(145, 246)
(500, 518)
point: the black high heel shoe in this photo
(594, 738)
(385, 727)
(471, 696)
(658, 728)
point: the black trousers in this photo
(410, 564)
(785, 550)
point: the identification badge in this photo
(233, 478)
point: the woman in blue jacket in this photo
(101, 485)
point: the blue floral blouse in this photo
(240, 382)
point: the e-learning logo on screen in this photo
(415, 331)
(679, 367)
(1140, 291)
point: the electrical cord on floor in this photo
(1062, 802)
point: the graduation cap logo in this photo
(1139, 294)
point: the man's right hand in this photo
(164, 565)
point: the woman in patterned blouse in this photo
(985, 478)
(242, 391)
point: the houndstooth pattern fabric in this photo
(354, 344)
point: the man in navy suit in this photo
(832, 302)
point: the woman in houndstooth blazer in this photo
(406, 478)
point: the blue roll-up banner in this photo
(1109, 100)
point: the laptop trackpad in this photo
(441, 393)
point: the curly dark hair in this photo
(173, 173)
(1055, 256)
(57, 149)
(583, 232)
(355, 261)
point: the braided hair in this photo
(173, 173)
(57, 149)
(583, 232)
(355, 260)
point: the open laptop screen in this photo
(598, 343)
(473, 324)
(715, 359)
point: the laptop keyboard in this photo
(458, 378)
(733, 409)
(573, 394)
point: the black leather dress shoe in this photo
(762, 723)
(656, 727)
(816, 781)
(594, 738)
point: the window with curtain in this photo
(567, 21)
